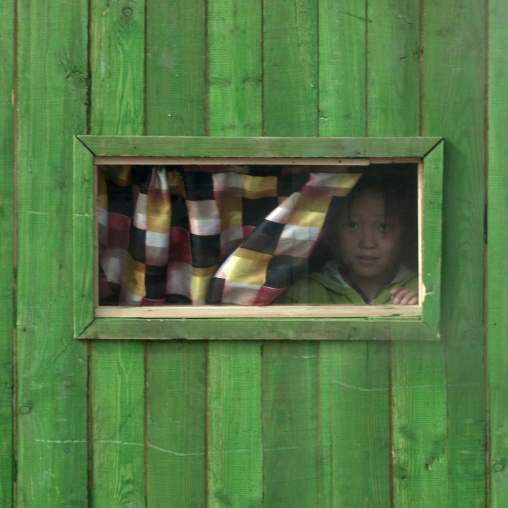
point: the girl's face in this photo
(370, 241)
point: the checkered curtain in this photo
(209, 234)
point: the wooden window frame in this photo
(337, 322)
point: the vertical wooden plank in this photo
(52, 370)
(420, 463)
(432, 232)
(354, 432)
(290, 67)
(235, 457)
(417, 369)
(176, 424)
(393, 67)
(234, 68)
(290, 397)
(354, 426)
(118, 44)
(6, 248)
(175, 83)
(342, 99)
(234, 423)
(497, 270)
(175, 391)
(117, 424)
(83, 235)
(290, 423)
(453, 106)
(117, 369)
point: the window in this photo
(229, 224)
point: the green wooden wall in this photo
(248, 423)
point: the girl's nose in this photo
(368, 239)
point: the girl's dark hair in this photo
(398, 187)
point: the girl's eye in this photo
(353, 225)
(385, 226)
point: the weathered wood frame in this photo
(319, 322)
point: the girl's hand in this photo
(402, 296)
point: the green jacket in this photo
(328, 287)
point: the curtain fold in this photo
(209, 234)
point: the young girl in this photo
(372, 231)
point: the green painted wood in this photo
(234, 437)
(290, 401)
(354, 427)
(175, 67)
(497, 270)
(290, 384)
(454, 107)
(175, 370)
(189, 146)
(432, 231)
(234, 375)
(175, 400)
(51, 365)
(83, 236)
(117, 421)
(117, 64)
(290, 72)
(234, 68)
(393, 53)
(271, 329)
(117, 384)
(418, 392)
(7, 226)
(342, 100)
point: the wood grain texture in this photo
(497, 269)
(418, 397)
(52, 371)
(235, 451)
(234, 68)
(83, 236)
(175, 391)
(354, 426)
(117, 424)
(235, 311)
(432, 231)
(175, 68)
(176, 371)
(270, 329)
(290, 402)
(117, 31)
(117, 384)
(234, 373)
(454, 107)
(342, 66)
(7, 225)
(266, 147)
(290, 67)
(393, 52)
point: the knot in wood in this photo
(127, 11)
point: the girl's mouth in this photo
(367, 260)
